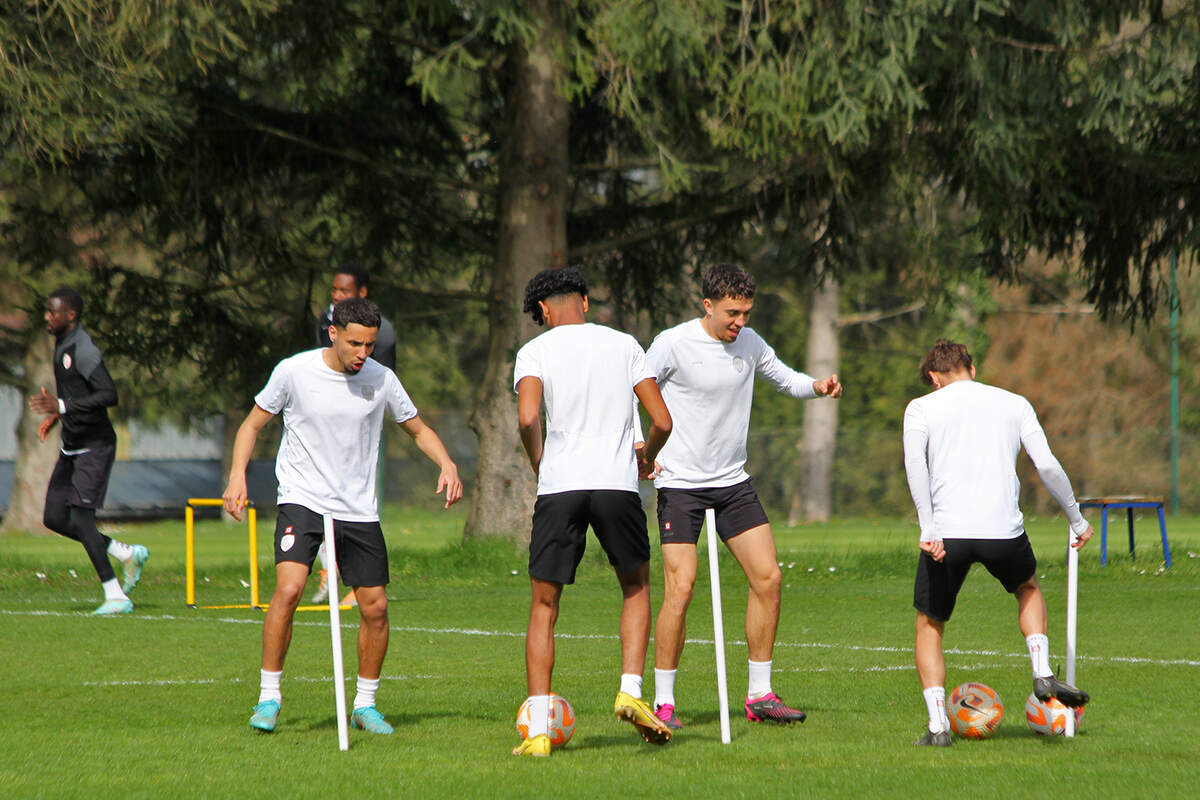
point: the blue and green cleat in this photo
(369, 719)
(110, 607)
(266, 714)
(132, 569)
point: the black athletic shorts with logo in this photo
(560, 523)
(681, 512)
(361, 551)
(1011, 561)
(81, 480)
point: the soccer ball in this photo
(975, 710)
(1049, 718)
(561, 722)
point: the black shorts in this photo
(560, 523)
(681, 512)
(361, 551)
(1011, 561)
(82, 480)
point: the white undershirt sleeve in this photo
(1053, 476)
(787, 380)
(916, 467)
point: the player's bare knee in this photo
(767, 585)
(288, 593)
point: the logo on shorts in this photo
(666, 526)
(368, 393)
(66, 361)
(286, 542)
(288, 529)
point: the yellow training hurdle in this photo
(189, 525)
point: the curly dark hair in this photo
(944, 356)
(552, 283)
(358, 310)
(71, 298)
(727, 280)
(362, 278)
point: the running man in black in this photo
(79, 482)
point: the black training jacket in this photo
(87, 390)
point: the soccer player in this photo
(587, 375)
(960, 450)
(89, 446)
(351, 279)
(333, 402)
(706, 368)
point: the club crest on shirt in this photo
(286, 541)
(67, 361)
(739, 364)
(368, 392)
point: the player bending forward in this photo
(587, 470)
(333, 402)
(960, 450)
(706, 369)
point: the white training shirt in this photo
(708, 386)
(960, 454)
(588, 372)
(331, 425)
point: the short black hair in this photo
(362, 278)
(358, 310)
(72, 299)
(727, 280)
(945, 356)
(552, 283)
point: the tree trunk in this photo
(532, 237)
(35, 459)
(813, 498)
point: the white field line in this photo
(1160, 662)
(207, 681)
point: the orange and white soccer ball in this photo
(561, 723)
(1049, 718)
(975, 710)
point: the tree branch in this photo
(878, 315)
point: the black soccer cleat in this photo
(931, 739)
(1068, 695)
(769, 708)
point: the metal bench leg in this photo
(1129, 516)
(1162, 527)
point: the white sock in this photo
(119, 550)
(1039, 654)
(539, 715)
(112, 590)
(760, 679)
(321, 554)
(935, 702)
(631, 684)
(268, 686)
(664, 687)
(364, 696)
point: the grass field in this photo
(156, 704)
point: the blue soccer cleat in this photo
(266, 714)
(369, 720)
(110, 607)
(132, 569)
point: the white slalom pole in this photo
(335, 631)
(1072, 617)
(714, 576)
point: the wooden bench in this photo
(1129, 503)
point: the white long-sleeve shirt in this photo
(960, 453)
(708, 386)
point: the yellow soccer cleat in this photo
(538, 746)
(634, 709)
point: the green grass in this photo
(156, 704)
